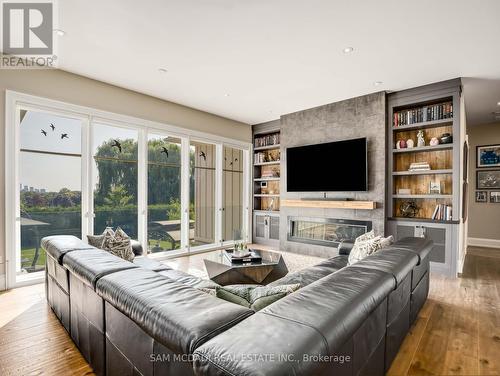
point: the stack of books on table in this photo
(442, 213)
(419, 166)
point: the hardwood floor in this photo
(457, 331)
(32, 341)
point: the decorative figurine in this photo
(421, 139)
(434, 141)
(410, 143)
(408, 209)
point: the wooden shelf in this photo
(426, 196)
(266, 195)
(268, 212)
(268, 147)
(267, 163)
(330, 204)
(427, 220)
(429, 172)
(267, 179)
(424, 148)
(423, 125)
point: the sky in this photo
(53, 172)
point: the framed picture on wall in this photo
(488, 156)
(488, 179)
(481, 196)
(495, 197)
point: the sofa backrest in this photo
(397, 262)
(177, 316)
(91, 264)
(315, 320)
(59, 245)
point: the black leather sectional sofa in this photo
(143, 318)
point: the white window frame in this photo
(16, 100)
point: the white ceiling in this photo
(277, 56)
(481, 100)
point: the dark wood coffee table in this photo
(221, 270)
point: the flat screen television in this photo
(331, 167)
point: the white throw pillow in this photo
(363, 248)
(385, 242)
(118, 243)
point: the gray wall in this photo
(353, 118)
(483, 218)
(71, 88)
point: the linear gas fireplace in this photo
(325, 231)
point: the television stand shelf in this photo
(330, 204)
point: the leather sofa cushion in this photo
(323, 315)
(178, 316)
(188, 279)
(309, 275)
(58, 245)
(420, 246)
(398, 263)
(276, 340)
(337, 304)
(150, 264)
(91, 264)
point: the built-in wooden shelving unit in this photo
(434, 113)
(266, 158)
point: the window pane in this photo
(164, 193)
(202, 193)
(115, 174)
(232, 194)
(50, 200)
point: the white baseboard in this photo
(2, 282)
(480, 242)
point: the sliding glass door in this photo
(232, 194)
(202, 195)
(50, 185)
(115, 176)
(164, 193)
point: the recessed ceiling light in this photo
(377, 83)
(60, 32)
(226, 95)
(348, 50)
(162, 70)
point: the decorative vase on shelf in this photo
(401, 144)
(446, 138)
(434, 141)
(421, 139)
(410, 143)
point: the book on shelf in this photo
(442, 212)
(421, 114)
(267, 140)
(419, 166)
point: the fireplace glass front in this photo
(325, 231)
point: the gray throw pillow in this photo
(118, 243)
(254, 296)
(95, 240)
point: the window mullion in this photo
(142, 190)
(185, 193)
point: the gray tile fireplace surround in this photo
(353, 118)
